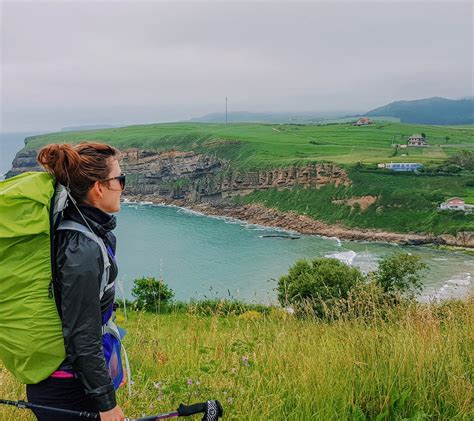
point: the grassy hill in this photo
(252, 145)
(430, 111)
(404, 202)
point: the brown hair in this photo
(77, 167)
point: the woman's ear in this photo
(96, 192)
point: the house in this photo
(417, 140)
(456, 203)
(363, 121)
(403, 166)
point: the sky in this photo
(68, 63)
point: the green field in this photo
(273, 145)
(405, 202)
(412, 364)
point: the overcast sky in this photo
(121, 62)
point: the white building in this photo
(456, 203)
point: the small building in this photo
(363, 121)
(456, 203)
(417, 140)
(404, 166)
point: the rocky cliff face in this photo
(198, 177)
(24, 161)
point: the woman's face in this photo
(110, 201)
(106, 195)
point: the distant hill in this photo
(91, 127)
(439, 111)
(249, 117)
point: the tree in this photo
(318, 283)
(401, 273)
(151, 294)
(447, 138)
(423, 135)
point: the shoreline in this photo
(292, 222)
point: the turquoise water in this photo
(200, 256)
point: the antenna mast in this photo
(226, 111)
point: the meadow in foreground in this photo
(411, 362)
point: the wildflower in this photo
(190, 382)
(233, 370)
(157, 385)
(229, 401)
(197, 382)
(245, 360)
(160, 396)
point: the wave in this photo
(346, 257)
(462, 280)
(455, 287)
(336, 239)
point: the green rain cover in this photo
(31, 340)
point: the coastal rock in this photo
(202, 178)
(462, 239)
(25, 160)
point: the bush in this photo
(317, 285)
(400, 274)
(151, 294)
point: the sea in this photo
(218, 257)
(201, 257)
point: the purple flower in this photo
(157, 385)
(190, 382)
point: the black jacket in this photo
(78, 273)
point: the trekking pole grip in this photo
(212, 410)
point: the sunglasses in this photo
(120, 178)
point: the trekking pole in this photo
(27, 405)
(212, 411)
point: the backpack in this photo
(31, 338)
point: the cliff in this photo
(207, 183)
(198, 177)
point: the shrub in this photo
(151, 294)
(317, 285)
(401, 273)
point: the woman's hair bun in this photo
(61, 160)
(78, 167)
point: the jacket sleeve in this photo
(79, 269)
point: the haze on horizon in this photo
(125, 62)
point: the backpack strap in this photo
(76, 226)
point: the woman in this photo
(91, 172)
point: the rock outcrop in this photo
(203, 178)
(198, 177)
